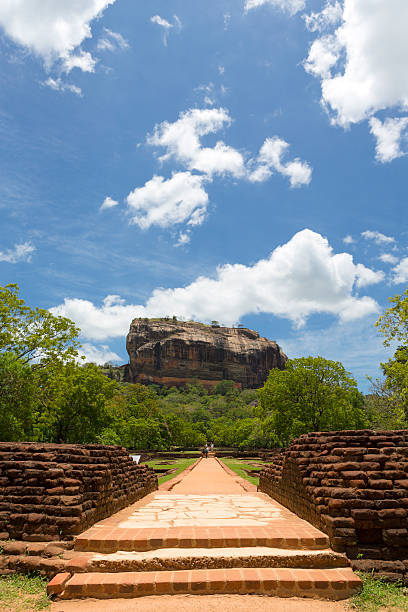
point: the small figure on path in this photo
(206, 451)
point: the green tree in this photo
(144, 434)
(18, 399)
(74, 403)
(310, 394)
(393, 324)
(34, 335)
(33, 343)
(383, 406)
(226, 387)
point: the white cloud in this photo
(323, 55)
(111, 320)
(388, 135)
(348, 239)
(52, 29)
(182, 141)
(59, 85)
(270, 158)
(298, 279)
(366, 276)
(378, 237)
(161, 22)
(388, 258)
(362, 63)
(97, 354)
(291, 6)
(184, 238)
(166, 25)
(180, 199)
(112, 41)
(108, 203)
(82, 60)
(328, 16)
(20, 252)
(400, 272)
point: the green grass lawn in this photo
(239, 465)
(19, 592)
(379, 595)
(178, 464)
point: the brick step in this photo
(205, 558)
(332, 584)
(99, 539)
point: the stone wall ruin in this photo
(51, 492)
(353, 485)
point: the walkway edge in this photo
(169, 484)
(245, 484)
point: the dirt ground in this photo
(200, 603)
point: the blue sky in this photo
(237, 160)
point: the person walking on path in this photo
(206, 451)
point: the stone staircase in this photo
(124, 557)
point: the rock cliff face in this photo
(173, 352)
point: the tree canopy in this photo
(392, 392)
(34, 335)
(310, 394)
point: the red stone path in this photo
(208, 509)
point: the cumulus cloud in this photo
(108, 203)
(388, 258)
(59, 85)
(400, 272)
(388, 135)
(378, 237)
(182, 140)
(183, 198)
(97, 354)
(112, 41)
(20, 252)
(180, 199)
(290, 6)
(328, 16)
(82, 60)
(110, 320)
(298, 279)
(53, 29)
(362, 63)
(366, 276)
(323, 55)
(166, 25)
(270, 158)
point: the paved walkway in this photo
(208, 477)
(207, 535)
(208, 508)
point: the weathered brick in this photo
(53, 491)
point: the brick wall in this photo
(353, 485)
(55, 491)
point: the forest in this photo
(48, 394)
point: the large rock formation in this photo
(171, 352)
